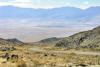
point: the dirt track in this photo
(66, 52)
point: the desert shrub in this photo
(72, 54)
(21, 63)
(36, 62)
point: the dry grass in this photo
(34, 59)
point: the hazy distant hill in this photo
(48, 41)
(86, 39)
(10, 42)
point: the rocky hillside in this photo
(86, 39)
(10, 42)
(49, 41)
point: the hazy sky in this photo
(51, 3)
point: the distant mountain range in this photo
(64, 13)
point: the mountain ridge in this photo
(62, 13)
(86, 39)
(11, 42)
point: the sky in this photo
(45, 4)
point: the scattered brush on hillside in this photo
(86, 39)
